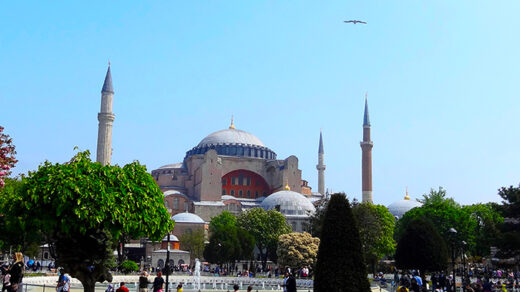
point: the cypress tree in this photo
(340, 265)
(421, 247)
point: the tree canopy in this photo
(509, 240)
(83, 207)
(7, 156)
(228, 242)
(421, 247)
(296, 250)
(340, 265)
(265, 227)
(376, 229)
(194, 243)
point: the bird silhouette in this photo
(354, 21)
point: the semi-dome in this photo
(400, 207)
(291, 203)
(187, 218)
(233, 142)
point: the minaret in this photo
(366, 160)
(106, 119)
(321, 168)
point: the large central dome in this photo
(233, 142)
(231, 136)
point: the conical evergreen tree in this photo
(340, 265)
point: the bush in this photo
(128, 266)
(340, 265)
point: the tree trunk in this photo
(89, 285)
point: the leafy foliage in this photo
(297, 250)
(82, 208)
(509, 240)
(7, 156)
(340, 265)
(228, 241)
(128, 266)
(487, 222)
(421, 247)
(316, 219)
(194, 243)
(444, 213)
(376, 228)
(265, 227)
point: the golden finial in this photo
(287, 188)
(407, 197)
(232, 126)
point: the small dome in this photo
(172, 238)
(187, 218)
(291, 203)
(231, 136)
(400, 207)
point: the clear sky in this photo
(442, 80)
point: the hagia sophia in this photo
(233, 170)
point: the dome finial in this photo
(407, 197)
(232, 126)
(287, 188)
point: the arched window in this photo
(176, 203)
(160, 263)
(166, 204)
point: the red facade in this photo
(244, 184)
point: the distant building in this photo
(399, 208)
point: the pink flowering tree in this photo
(7, 156)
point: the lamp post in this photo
(464, 265)
(167, 265)
(453, 232)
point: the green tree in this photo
(194, 243)
(297, 250)
(128, 267)
(376, 229)
(487, 222)
(421, 247)
(444, 213)
(509, 239)
(228, 242)
(14, 234)
(315, 222)
(82, 208)
(340, 265)
(265, 227)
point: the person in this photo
(285, 279)
(236, 288)
(402, 289)
(158, 283)
(66, 283)
(110, 288)
(122, 288)
(249, 288)
(16, 272)
(6, 278)
(179, 287)
(143, 282)
(291, 283)
(415, 286)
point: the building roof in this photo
(230, 136)
(291, 203)
(366, 117)
(107, 85)
(187, 218)
(320, 148)
(173, 165)
(400, 207)
(172, 238)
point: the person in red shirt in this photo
(122, 288)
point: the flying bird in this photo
(354, 21)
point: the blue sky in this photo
(441, 76)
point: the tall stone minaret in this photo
(321, 168)
(366, 160)
(106, 119)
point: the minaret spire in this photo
(366, 157)
(106, 120)
(321, 167)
